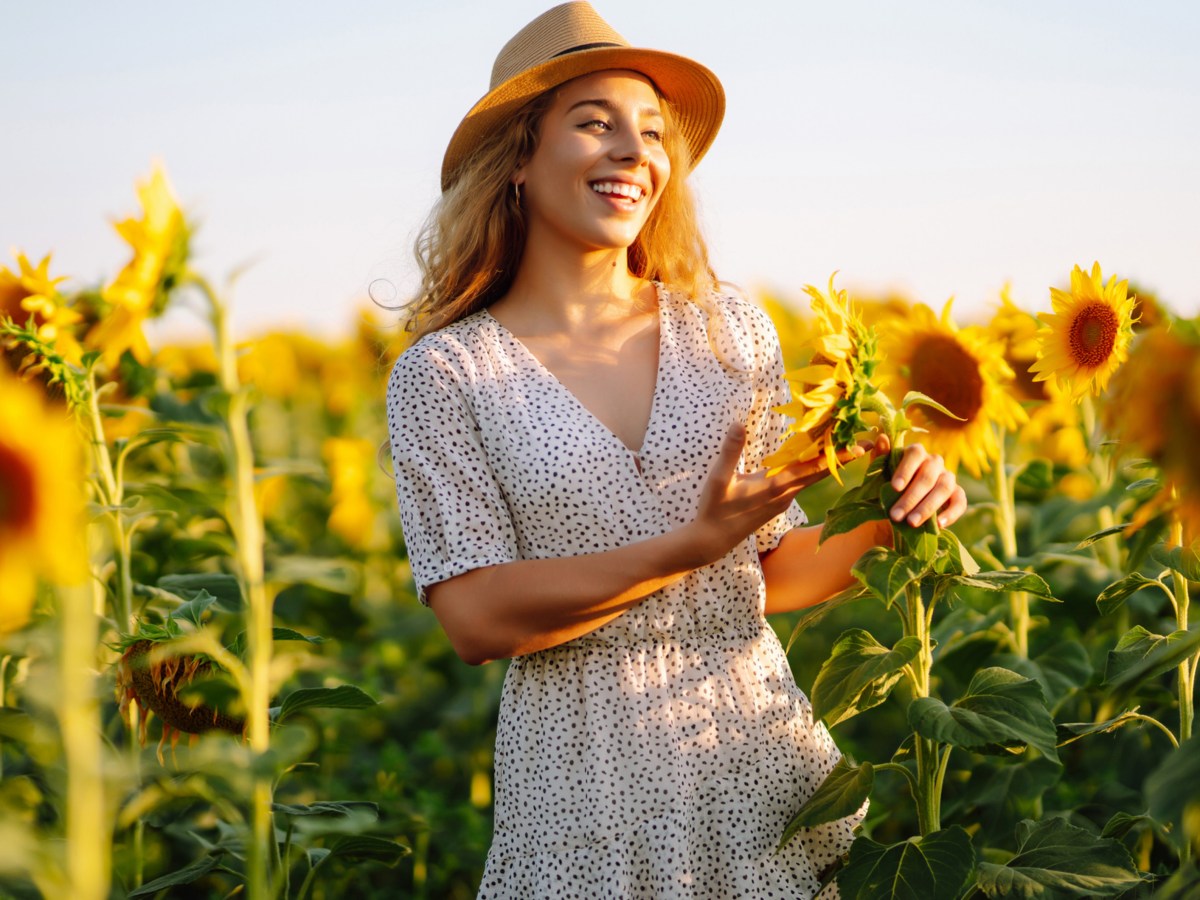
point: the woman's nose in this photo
(634, 146)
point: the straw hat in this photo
(572, 40)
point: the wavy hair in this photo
(472, 242)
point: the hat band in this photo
(591, 46)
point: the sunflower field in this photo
(216, 680)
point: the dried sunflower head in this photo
(830, 394)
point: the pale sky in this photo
(935, 147)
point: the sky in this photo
(935, 147)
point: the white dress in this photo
(661, 755)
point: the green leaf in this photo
(846, 517)
(1069, 732)
(1184, 560)
(1034, 478)
(885, 573)
(1114, 596)
(195, 610)
(1000, 710)
(818, 612)
(345, 697)
(1123, 823)
(842, 793)
(859, 674)
(1100, 535)
(329, 808)
(290, 634)
(916, 398)
(188, 874)
(188, 586)
(1007, 580)
(953, 557)
(1183, 885)
(333, 575)
(1173, 792)
(365, 846)
(1060, 669)
(1055, 858)
(1141, 655)
(934, 866)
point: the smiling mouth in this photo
(620, 190)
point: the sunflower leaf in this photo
(1001, 711)
(1141, 655)
(1114, 596)
(859, 674)
(841, 794)
(1100, 535)
(845, 517)
(1171, 791)
(1055, 858)
(1184, 560)
(884, 572)
(916, 398)
(936, 865)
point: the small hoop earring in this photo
(517, 192)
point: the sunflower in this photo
(1154, 408)
(1087, 336)
(830, 392)
(963, 370)
(31, 292)
(350, 461)
(140, 291)
(1053, 430)
(41, 531)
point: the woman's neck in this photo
(563, 292)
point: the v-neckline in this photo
(660, 296)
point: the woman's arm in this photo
(519, 607)
(798, 573)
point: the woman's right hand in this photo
(732, 505)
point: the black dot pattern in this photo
(661, 755)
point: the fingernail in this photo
(897, 513)
(914, 519)
(942, 521)
(898, 483)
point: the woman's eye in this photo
(594, 122)
(655, 136)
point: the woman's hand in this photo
(928, 487)
(732, 505)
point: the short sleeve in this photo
(452, 510)
(765, 426)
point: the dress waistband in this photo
(728, 635)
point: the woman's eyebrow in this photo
(611, 107)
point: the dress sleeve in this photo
(452, 509)
(765, 427)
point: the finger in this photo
(954, 509)
(919, 486)
(813, 470)
(731, 451)
(914, 455)
(883, 444)
(941, 491)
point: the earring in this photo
(517, 192)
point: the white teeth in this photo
(632, 191)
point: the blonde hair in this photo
(472, 242)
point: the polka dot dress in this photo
(661, 755)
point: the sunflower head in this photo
(1153, 408)
(41, 509)
(830, 394)
(963, 370)
(1017, 330)
(1087, 336)
(29, 296)
(159, 240)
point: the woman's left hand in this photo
(928, 487)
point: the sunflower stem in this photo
(1006, 524)
(927, 795)
(248, 538)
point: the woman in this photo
(577, 435)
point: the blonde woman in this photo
(577, 433)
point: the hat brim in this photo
(696, 97)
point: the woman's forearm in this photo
(532, 604)
(798, 573)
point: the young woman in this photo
(577, 433)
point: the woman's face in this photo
(599, 167)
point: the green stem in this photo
(903, 770)
(928, 797)
(248, 537)
(1006, 524)
(112, 496)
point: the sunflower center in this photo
(1093, 334)
(16, 491)
(945, 371)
